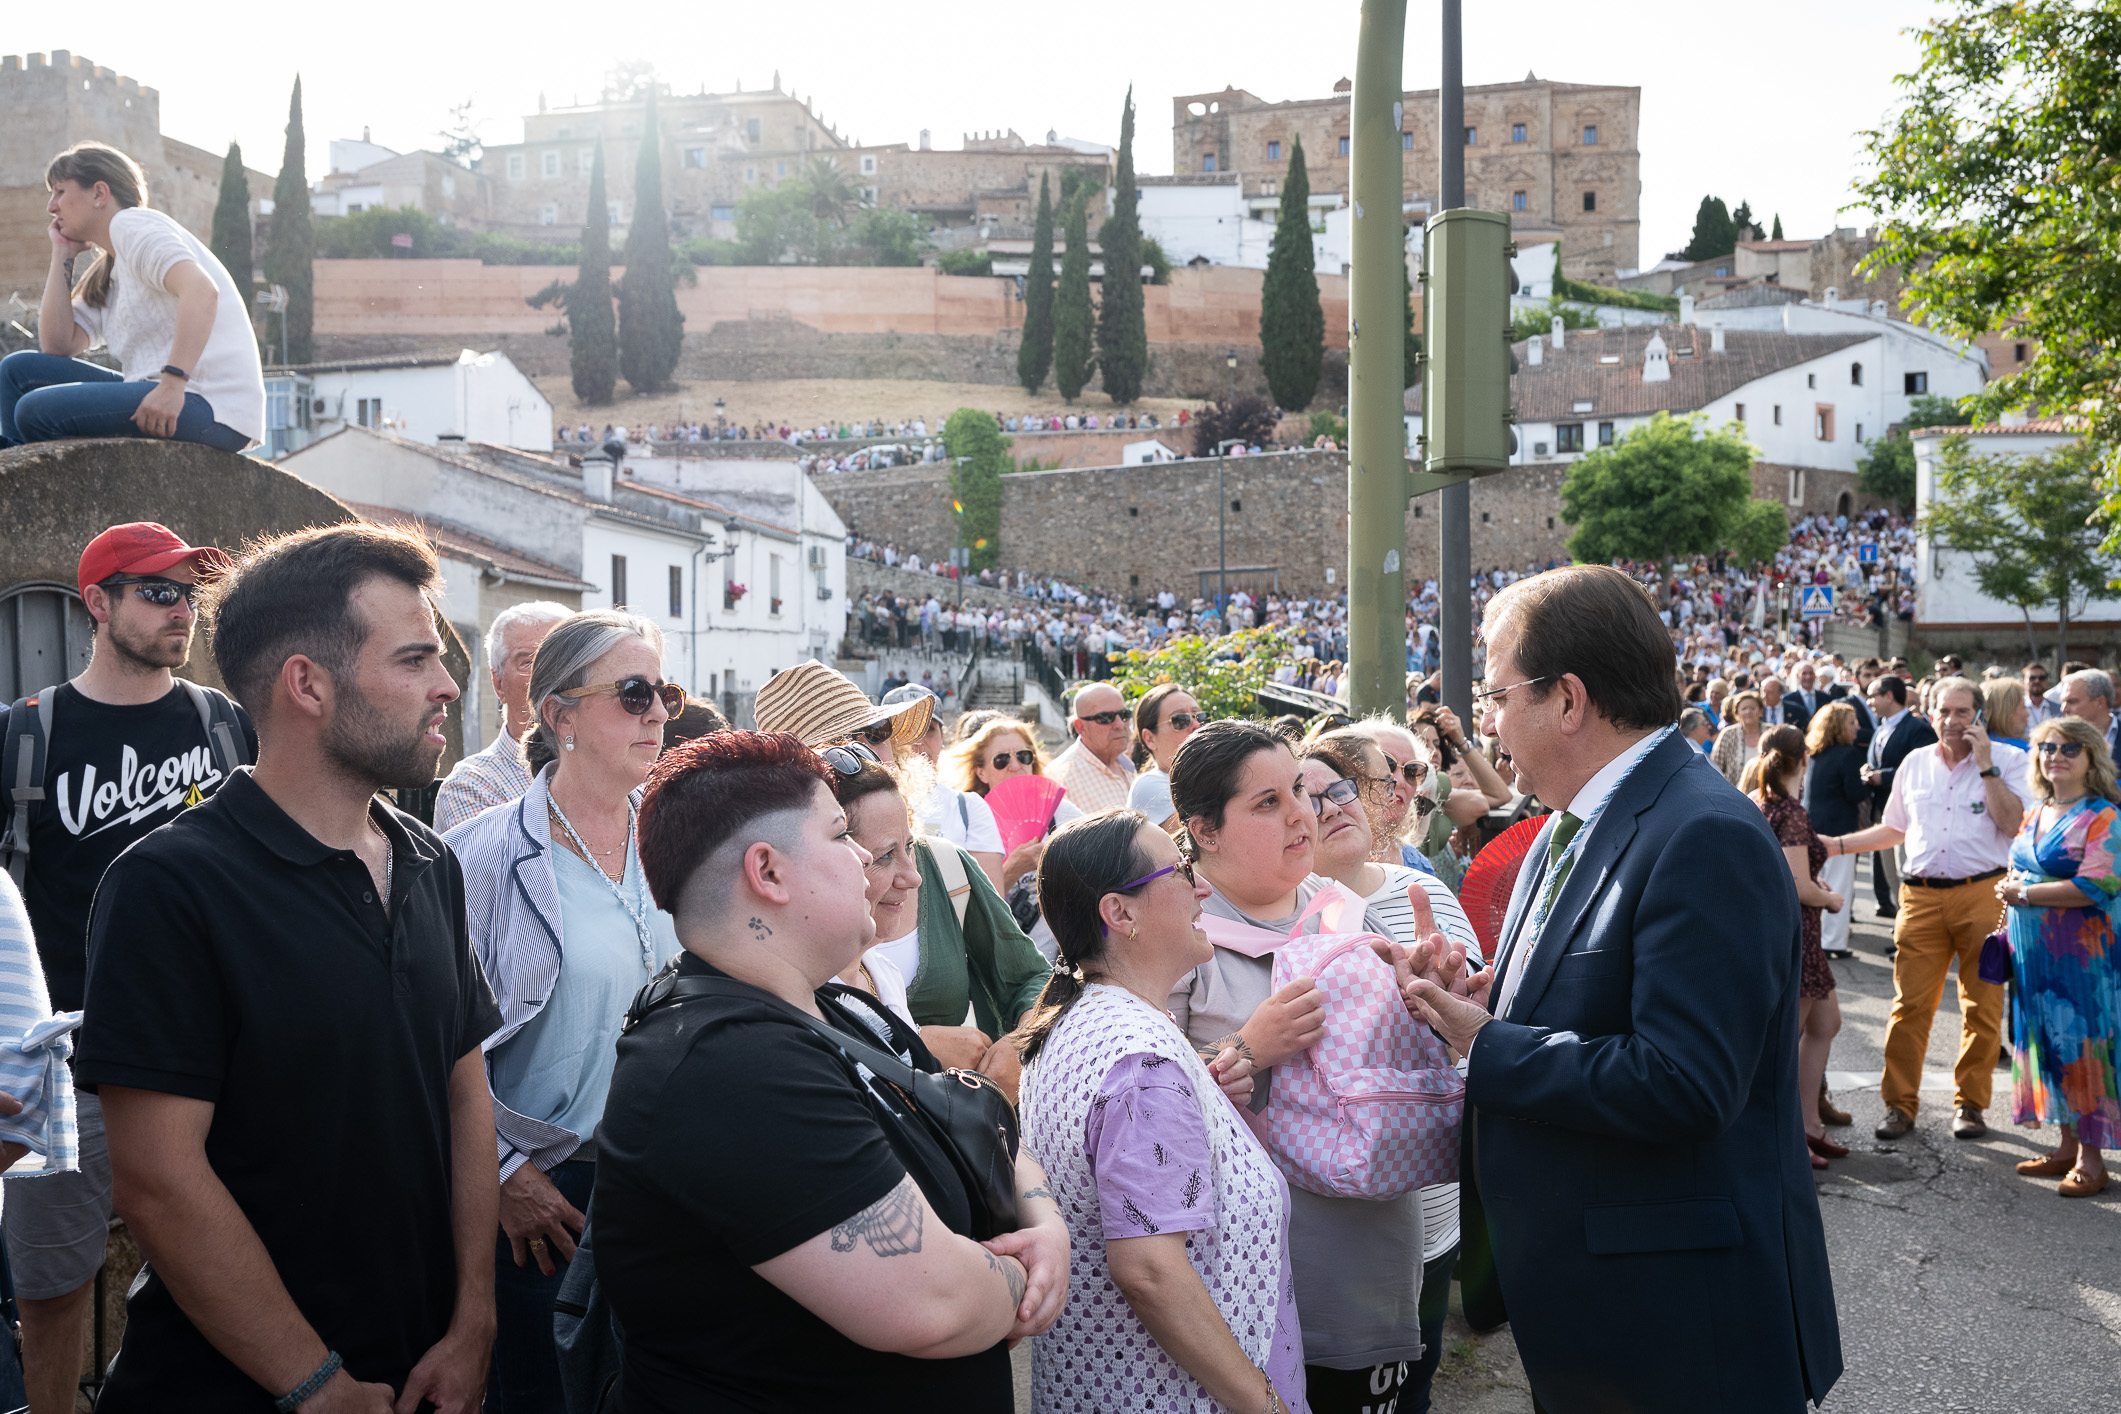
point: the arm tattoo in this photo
(1236, 1038)
(759, 928)
(891, 1225)
(1013, 1273)
(1039, 1192)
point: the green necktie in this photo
(1558, 861)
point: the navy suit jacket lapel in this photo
(1614, 831)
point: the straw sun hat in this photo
(823, 707)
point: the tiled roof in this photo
(469, 545)
(1574, 374)
(1761, 292)
(370, 365)
(2049, 425)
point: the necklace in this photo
(592, 853)
(637, 907)
(390, 861)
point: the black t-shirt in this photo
(235, 958)
(734, 1133)
(111, 775)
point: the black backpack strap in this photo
(217, 715)
(671, 990)
(27, 747)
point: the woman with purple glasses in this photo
(561, 916)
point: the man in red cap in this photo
(88, 767)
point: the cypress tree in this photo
(592, 337)
(1072, 315)
(651, 331)
(1714, 233)
(1778, 228)
(1122, 334)
(292, 245)
(231, 238)
(1292, 322)
(1034, 354)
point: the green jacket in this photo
(988, 962)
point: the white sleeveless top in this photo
(1098, 1355)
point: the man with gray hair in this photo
(498, 772)
(2088, 694)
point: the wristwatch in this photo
(1992, 771)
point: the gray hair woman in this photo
(567, 931)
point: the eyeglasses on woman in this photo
(635, 693)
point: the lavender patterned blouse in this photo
(1147, 1146)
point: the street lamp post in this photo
(718, 424)
(1230, 358)
(1222, 544)
(960, 557)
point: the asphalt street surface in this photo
(1960, 1285)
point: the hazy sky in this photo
(1729, 104)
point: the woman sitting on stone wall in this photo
(177, 324)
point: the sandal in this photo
(2047, 1166)
(2082, 1186)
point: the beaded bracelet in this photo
(301, 1393)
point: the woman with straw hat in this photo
(971, 974)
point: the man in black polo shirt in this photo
(283, 1019)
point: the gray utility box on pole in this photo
(1465, 384)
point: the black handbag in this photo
(962, 1111)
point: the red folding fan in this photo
(1023, 807)
(1490, 878)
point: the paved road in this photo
(1961, 1286)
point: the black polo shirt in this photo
(234, 958)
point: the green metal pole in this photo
(1377, 457)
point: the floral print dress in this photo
(2066, 976)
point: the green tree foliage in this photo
(1122, 332)
(460, 140)
(965, 262)
(1292, 322)
(1524, 323)
(1034, 351)
(885, 237)
(1412, 356)
(593, 343)
(231, 236)
(1714, 232)
(1776, 234)
(2033, 526)
(1886, 468)
(1741, 219)
(1249, 416)
(651, 331)
(1664, 489)
(976, 484)
(1994, 182)
(1159, 263)
(815, 218)
(290, 247)
(1072, 314)
(1224, 674)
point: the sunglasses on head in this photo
(155, 590)
(1341, 792)
(876, 733)
(2070, 749)
(636, 694)
(1103, 719)
(1023, 758)
(849, 759)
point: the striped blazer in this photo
(512, 906)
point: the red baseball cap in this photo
(143, 547)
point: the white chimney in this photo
(924, 140)
(1656, 361)
(1557, 331)
(596, 477)
(1686, 309)
(1833, 292)
(1716, 337)
(1878, 309)
(1534, 350)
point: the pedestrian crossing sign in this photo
(1818, 601)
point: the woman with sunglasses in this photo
(1163, 719)
(2064, 891)
(1344, 776)
(1183, 1287)
(567, 931)
(1357, 1261)
(1004, 747)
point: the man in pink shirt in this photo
(1956, 805)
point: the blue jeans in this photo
(44, 397)
(1435, 1305)
(526, 1371)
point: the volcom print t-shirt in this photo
(112, 774)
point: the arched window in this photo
(1856, 374)
(45, 635)
(1842, 505)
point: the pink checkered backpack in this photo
(1373, 1110)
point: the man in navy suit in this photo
(1900, 731)
(1634, 1123)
